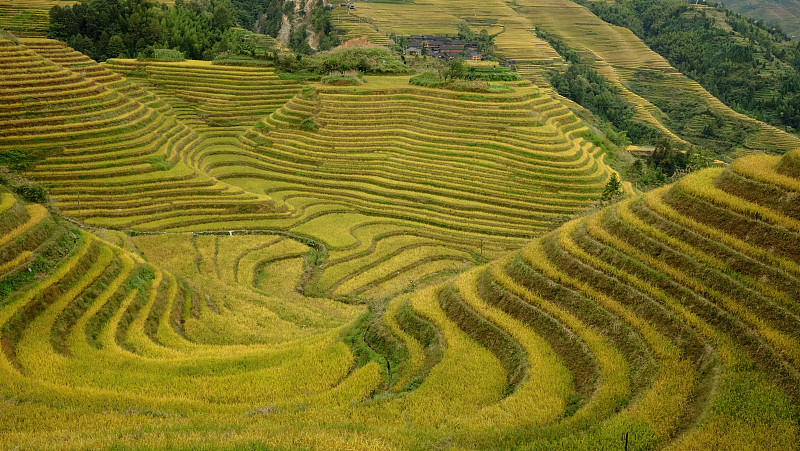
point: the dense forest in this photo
(199, 29)
(751, 67)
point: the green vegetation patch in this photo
(342, 80)
(160, 163)
(368, 60)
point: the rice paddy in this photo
(154, 146)
(29, 18)
(618, 54)
(653, 318)
(233, 260)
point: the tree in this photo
(613, 187)
(63, 23)
(298, 40)
(455, 69)
(116, 47)
(222, 19)
(665, 156)
(82, 44)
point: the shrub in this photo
(160, 163)
(168, 55)
(32, 193)
(339, 80)
(427, 79)
(363, 60)
(16, 160)
(309, 125)
(432, 80)
(491, 74)
(613, 187)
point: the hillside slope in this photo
(663, 97)
(669, 318)
(393, 182)
(224, 214)
(785, 13)
(29, 17)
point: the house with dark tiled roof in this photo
(442, 47)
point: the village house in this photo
(442, 48)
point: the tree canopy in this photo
(110, 28)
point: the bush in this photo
(16, 160)
(160, 163)
(427, 79)
(168, 55)
(364, 60)
(432, 80)
(491, 74)
(613, 188)
(32, 193)
(342, 80)
(309, 125)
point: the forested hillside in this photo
(783, 13)
(199, 29)
(753, 68)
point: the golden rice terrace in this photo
(232, 259)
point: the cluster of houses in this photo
(442, 48)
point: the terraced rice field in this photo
(375, 152)
(517, 38)
(211, 98)
(669, 318)
(28, 18)
(172, 146)
(620, 56)
(354, 27)
(111, 149)
(375, 267)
